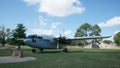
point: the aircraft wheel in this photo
(65, 50)
(33, 50)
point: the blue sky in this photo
(51, 17)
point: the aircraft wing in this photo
(83, 38)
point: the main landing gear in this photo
(65, 50)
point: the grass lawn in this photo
(75, 58)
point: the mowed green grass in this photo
(75, 58)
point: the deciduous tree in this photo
(117, 38)
(87, 30)
(4, 34)
(95, 31)
(83, 30)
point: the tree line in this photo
(88, 30)
(85, 30)
(10, 36)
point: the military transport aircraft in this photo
(49, 42)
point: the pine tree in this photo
(18, 33)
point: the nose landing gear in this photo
(33, 50)
(65, 50)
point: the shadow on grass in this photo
(46, 52)
(78, 51)
(82, 51)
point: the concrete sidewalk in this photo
(10, 59)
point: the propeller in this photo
(60, 40)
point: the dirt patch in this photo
(104, 46)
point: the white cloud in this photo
(42, 31)
(116, 32)
(112, 22)
(45, 27)
(65, 33)
(55, 24)
(58, 8)
(32, 2)
(42, 21)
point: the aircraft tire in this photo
(65, 50)
(33, 50)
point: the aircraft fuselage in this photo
(42, 43)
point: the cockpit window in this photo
(39, 37)
(34, 36)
